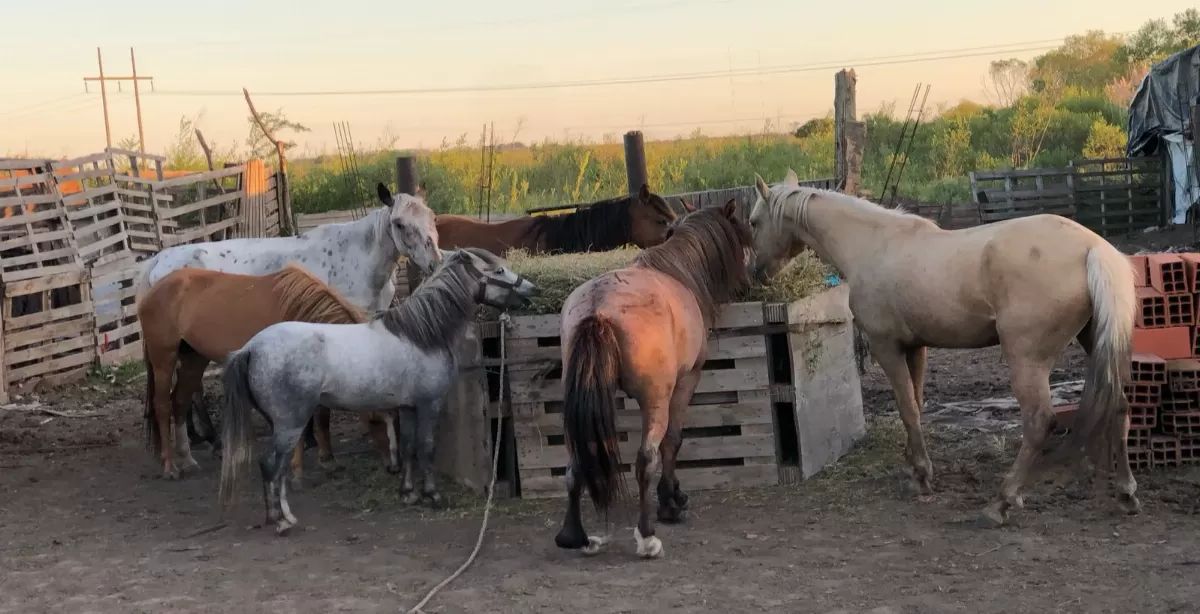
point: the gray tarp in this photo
(1162, 101)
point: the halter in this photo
(488, 280)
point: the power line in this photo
(953, 54)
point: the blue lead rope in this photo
(832, 279)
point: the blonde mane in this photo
(304, 298)
(792, 202)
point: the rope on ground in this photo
(505, 322)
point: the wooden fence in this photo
(69, 258)
(1112, 196)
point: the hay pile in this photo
(559, 275)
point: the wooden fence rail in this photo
(1110, 196)
(71, 238)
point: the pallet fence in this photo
(1110, 196)
(71, 238)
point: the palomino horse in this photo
(358, 259)
(644, 330)
(403, 357)
(1030, 285)
(640, 219)
(193, 316)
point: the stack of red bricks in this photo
(1164, 395)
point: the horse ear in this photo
(687, 206)
(421, 191)
(763, 191)
(730, 208)
(644, 193)
(792, 180)
(385, 195)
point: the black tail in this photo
(235, 423)
(590, 378)
(153, 441)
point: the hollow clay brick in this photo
(1141, 271)
(1167, 273)
(1152, 308)
(1191, 268)
(1167, 343)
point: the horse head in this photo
(774, 244)
(649, 217)
(413, 228)
(499, 286)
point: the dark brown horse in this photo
(639, 219)
(644, 330)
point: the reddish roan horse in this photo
(640, 219)
(194, 316)
(643, 329)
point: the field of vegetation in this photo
(1066, 104)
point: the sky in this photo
(202, 54)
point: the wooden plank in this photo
(22, 164)
(28, 240)
(74, 360)
(692, 479)
(17, 261)
(85, 175)
(91, 248)
(199, 177)
(190, 235)
(697, 449)
(21, 181)
(29, 218)
(81, 214)
(173, 212)
(88, 159)
(753, 378)
(629, 420)
(39, 272)
(45, 351)
(86, 230)
(48, 282)
(136, 154)
(32, 199)
(39, 333)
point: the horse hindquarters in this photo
(591, 374)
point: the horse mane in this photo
(705, 251)
(304, 298)
(781, 203)
(432, 317)
(600, 226)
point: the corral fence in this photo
(1113, 196)
(72, 234)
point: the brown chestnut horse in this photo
(639, 219)
(194, 316)
(644, 330)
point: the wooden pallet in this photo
(729, 434)
(118, 332)
(54, 344)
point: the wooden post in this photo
(844, 112)
(407, 179)
(287, 226)
(104, 99)
(407, 183)
(855, 134)
(635, 161)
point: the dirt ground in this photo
(86, 525)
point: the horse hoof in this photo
(171, 474)
(992, 517)
(1130, 504)
(283, 527)
(649, 547)
(330, 466)
(681, 499)
(190, 465)
(392, 469)
(296, 483)
(670, 514)
(410, 498)
(435, 501)
(593, 546)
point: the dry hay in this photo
(558, 275)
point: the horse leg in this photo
(895, 362)
(408, 437)
(916, 370)
(324, 443)
(200, 425)
(275, 475)
(572, 535)
(427, 421)
(1031, 385)
(189, 378)
(387, 442)
(162, 370)
(671, 499)
(655, 417)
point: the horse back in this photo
(455, 231)
(658, 321)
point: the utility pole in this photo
(136, 95)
